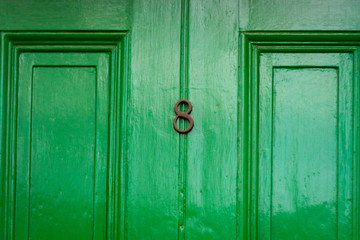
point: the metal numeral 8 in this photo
(184, 115)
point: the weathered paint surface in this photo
(88, 149)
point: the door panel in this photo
(62, 145)
(305, 146)
(64, 171)
(300, 114)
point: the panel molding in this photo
(251, 45)
(116, 45)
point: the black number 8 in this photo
(184, 115)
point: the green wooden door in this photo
(88, 148)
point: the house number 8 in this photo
(184, 115)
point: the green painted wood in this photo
(305, 150)
(3, 166)
(152, 210)
(65, 15)
(284, 15)
(212, 144)
(151, 182)
(63, 119)
(302, 175)
(64, 168)
(62, 146)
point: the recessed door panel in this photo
(305, 139)
(304, 175)
(62, 160)
(62, 146)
